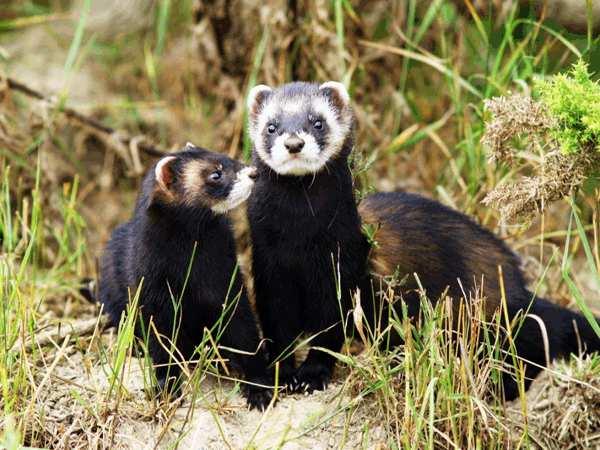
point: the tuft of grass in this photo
(440, 389)
(38, 261)
(562, 127)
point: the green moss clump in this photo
(573, 100)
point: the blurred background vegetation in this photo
(157, 73)
(167, 72)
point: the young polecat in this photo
(452, 254)
(304, 223)
(308, 250)
(180, 247)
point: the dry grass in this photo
(566, 414)
(519, 119)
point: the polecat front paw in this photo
(258, 397)
(309, 378)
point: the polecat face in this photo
(297, 128)
(197, 177)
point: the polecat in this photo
(309, 249)
(180, 247)
(453, 255)
(309, 253)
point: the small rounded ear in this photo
(163, 172)
(337, 92)
(256, 98)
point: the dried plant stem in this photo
(73, 329)
(556, 176)
(140, 142)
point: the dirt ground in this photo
(75, 414)
(220, 418)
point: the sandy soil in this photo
(220, 417)
(72, 408)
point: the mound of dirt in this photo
(73, 412)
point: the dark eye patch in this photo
(214, 173)
(318, 128)
(217, 187)
(316, 121)
(270, 134)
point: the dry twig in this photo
(141, 142)
(76, 328)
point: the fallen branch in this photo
(140, 142)
(57, 332)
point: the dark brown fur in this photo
(453, 256)
(404, 243)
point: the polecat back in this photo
(454, 256)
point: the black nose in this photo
(253, 173)
(294, 144)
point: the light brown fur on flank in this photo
(405, 246)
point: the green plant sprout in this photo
(573, 100)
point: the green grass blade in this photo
(256, 64)
(586, 244)
(78, 37)
(162, 25)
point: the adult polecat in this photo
(452, 255)
(180, 247)
(309, 249)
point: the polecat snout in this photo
(308, 250)
(180, 247)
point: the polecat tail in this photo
(587, 335)
(576, 331)
(549, 328)
(548, 332)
